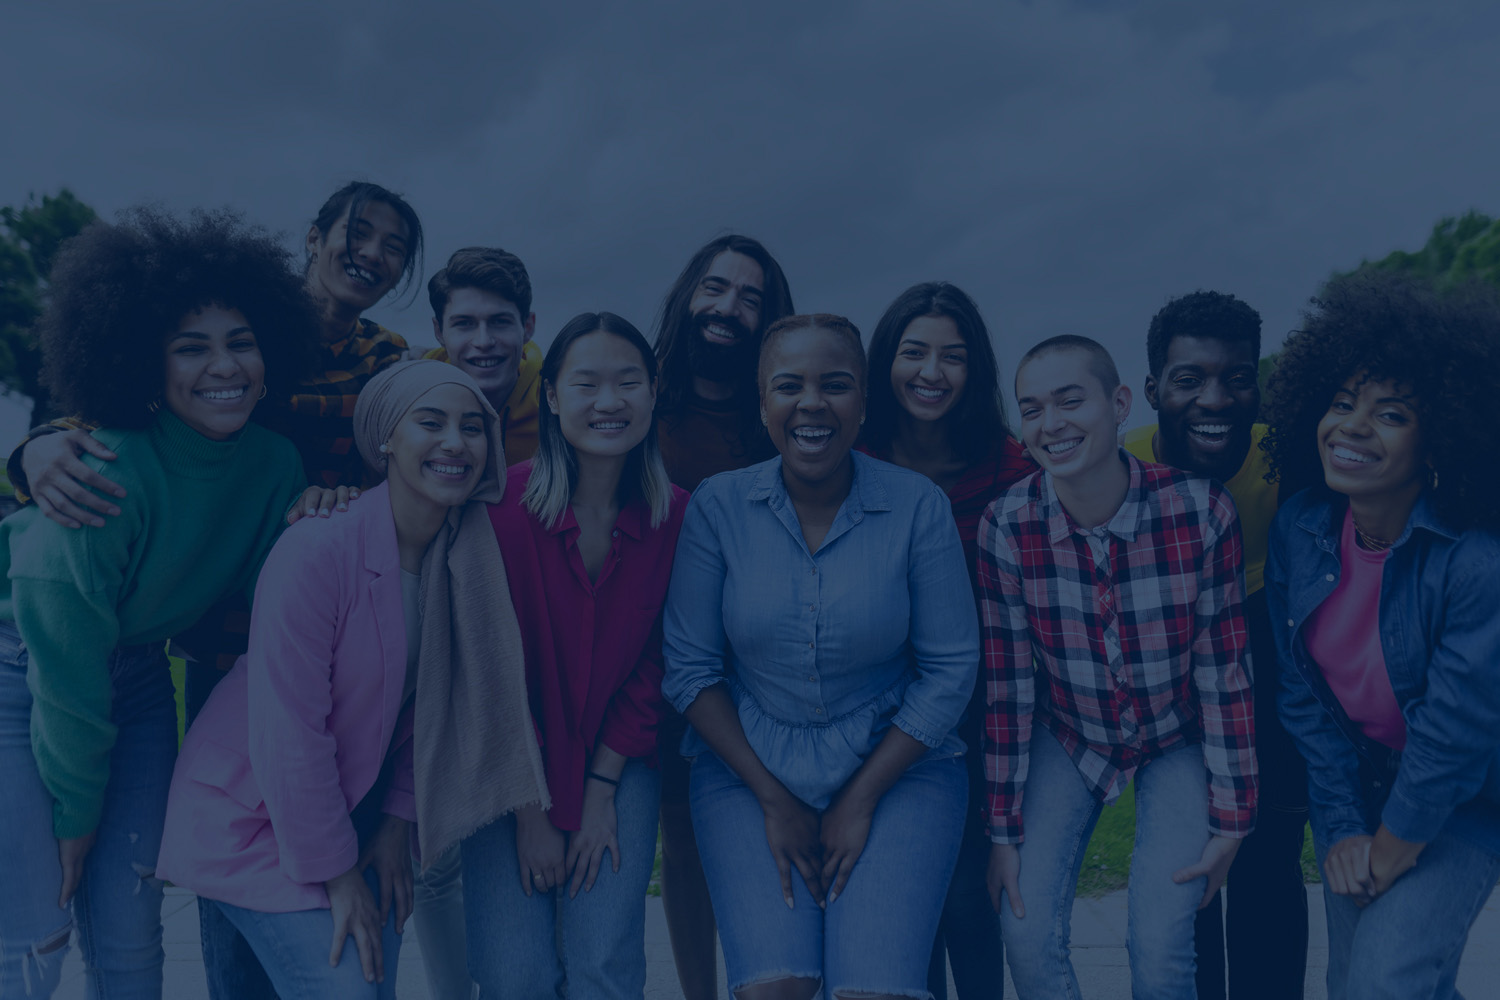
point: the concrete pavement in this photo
(1098, 954)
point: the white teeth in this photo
(448, 470)
(722, 332)
(223, 394)
(1210, 428)
(812, 432)
(926, 393)
(1339, 451)
(1062, 447)
(360, 274)
(608, 425)
(484, 362)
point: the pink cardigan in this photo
(295, 735)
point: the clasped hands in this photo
(1362, 867)
(822, 847)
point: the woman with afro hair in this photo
(164, 333)
(1381, 580)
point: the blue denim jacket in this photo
(1440, 635)
(822, 652)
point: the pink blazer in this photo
(295, 735)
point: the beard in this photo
(720, 362)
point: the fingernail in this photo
(788, 902)
(343, 506)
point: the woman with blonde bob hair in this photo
(588, 531)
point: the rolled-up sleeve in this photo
(693, 624)
(944, 629)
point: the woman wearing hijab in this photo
(292, 807)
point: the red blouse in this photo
(1005, 465)
(593, 649)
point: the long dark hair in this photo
(554, 470)
(977, 423)
(674, 327)
(353, 197)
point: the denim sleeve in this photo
(944, 627)
(1451, 730)
(1332, 762)
(693, 639)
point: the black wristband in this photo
(599, 777)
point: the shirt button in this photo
(811, 646)
(1329, 577)
(812, 607)
(616, 533)
(815, 571)
(812, 677)
(818, 711)
(1290, 623)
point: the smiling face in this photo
(603, 397)
(357, 263)
(1069, 420)
(931, 367)
(484, 335)
(811, 401)
(1370, 442)
(1206, 402)
(437, 453)
(725, 308)
(214, 371)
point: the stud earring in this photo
(154, 406)
(385, 449)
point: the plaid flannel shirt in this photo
(319, 416)
(1126, 641)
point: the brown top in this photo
(704, 440)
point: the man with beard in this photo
(1203, 352)
(708, 408)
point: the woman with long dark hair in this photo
(935, 407)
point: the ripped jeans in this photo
(117, 908)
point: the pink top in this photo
(296, 734)
(1343, 636)
(593, 649)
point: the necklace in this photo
(1369, 541)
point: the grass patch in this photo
(1106, 861)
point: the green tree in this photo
(29, 243)
(1460, 248)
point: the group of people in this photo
(465, 632)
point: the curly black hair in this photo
(1442, 345)
(1210, 315)
(117, 291)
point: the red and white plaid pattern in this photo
(1126, 641)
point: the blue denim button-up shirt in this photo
(822, 652)
(1440, 636)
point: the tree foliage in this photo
(29, 242)
(1460, 248)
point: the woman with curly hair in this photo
(935, 408)
(1381, 581)
(165, 334)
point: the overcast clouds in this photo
(1069, 165)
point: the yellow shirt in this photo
(1254, 498)
(519, 414)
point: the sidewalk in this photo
(1098, 953)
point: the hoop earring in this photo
(1433, 485)
(262, 392)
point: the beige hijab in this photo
(476, 755)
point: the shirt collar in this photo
(866, 492)
(1319, 519)
(1125, 523)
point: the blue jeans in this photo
(1171, 830)
(515, 948)
(293, 949)
(1407, 944)
(438, 918)
(117, 908)
(877, 936)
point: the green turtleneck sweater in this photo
(197, 520)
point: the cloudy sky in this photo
(1070, 165)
